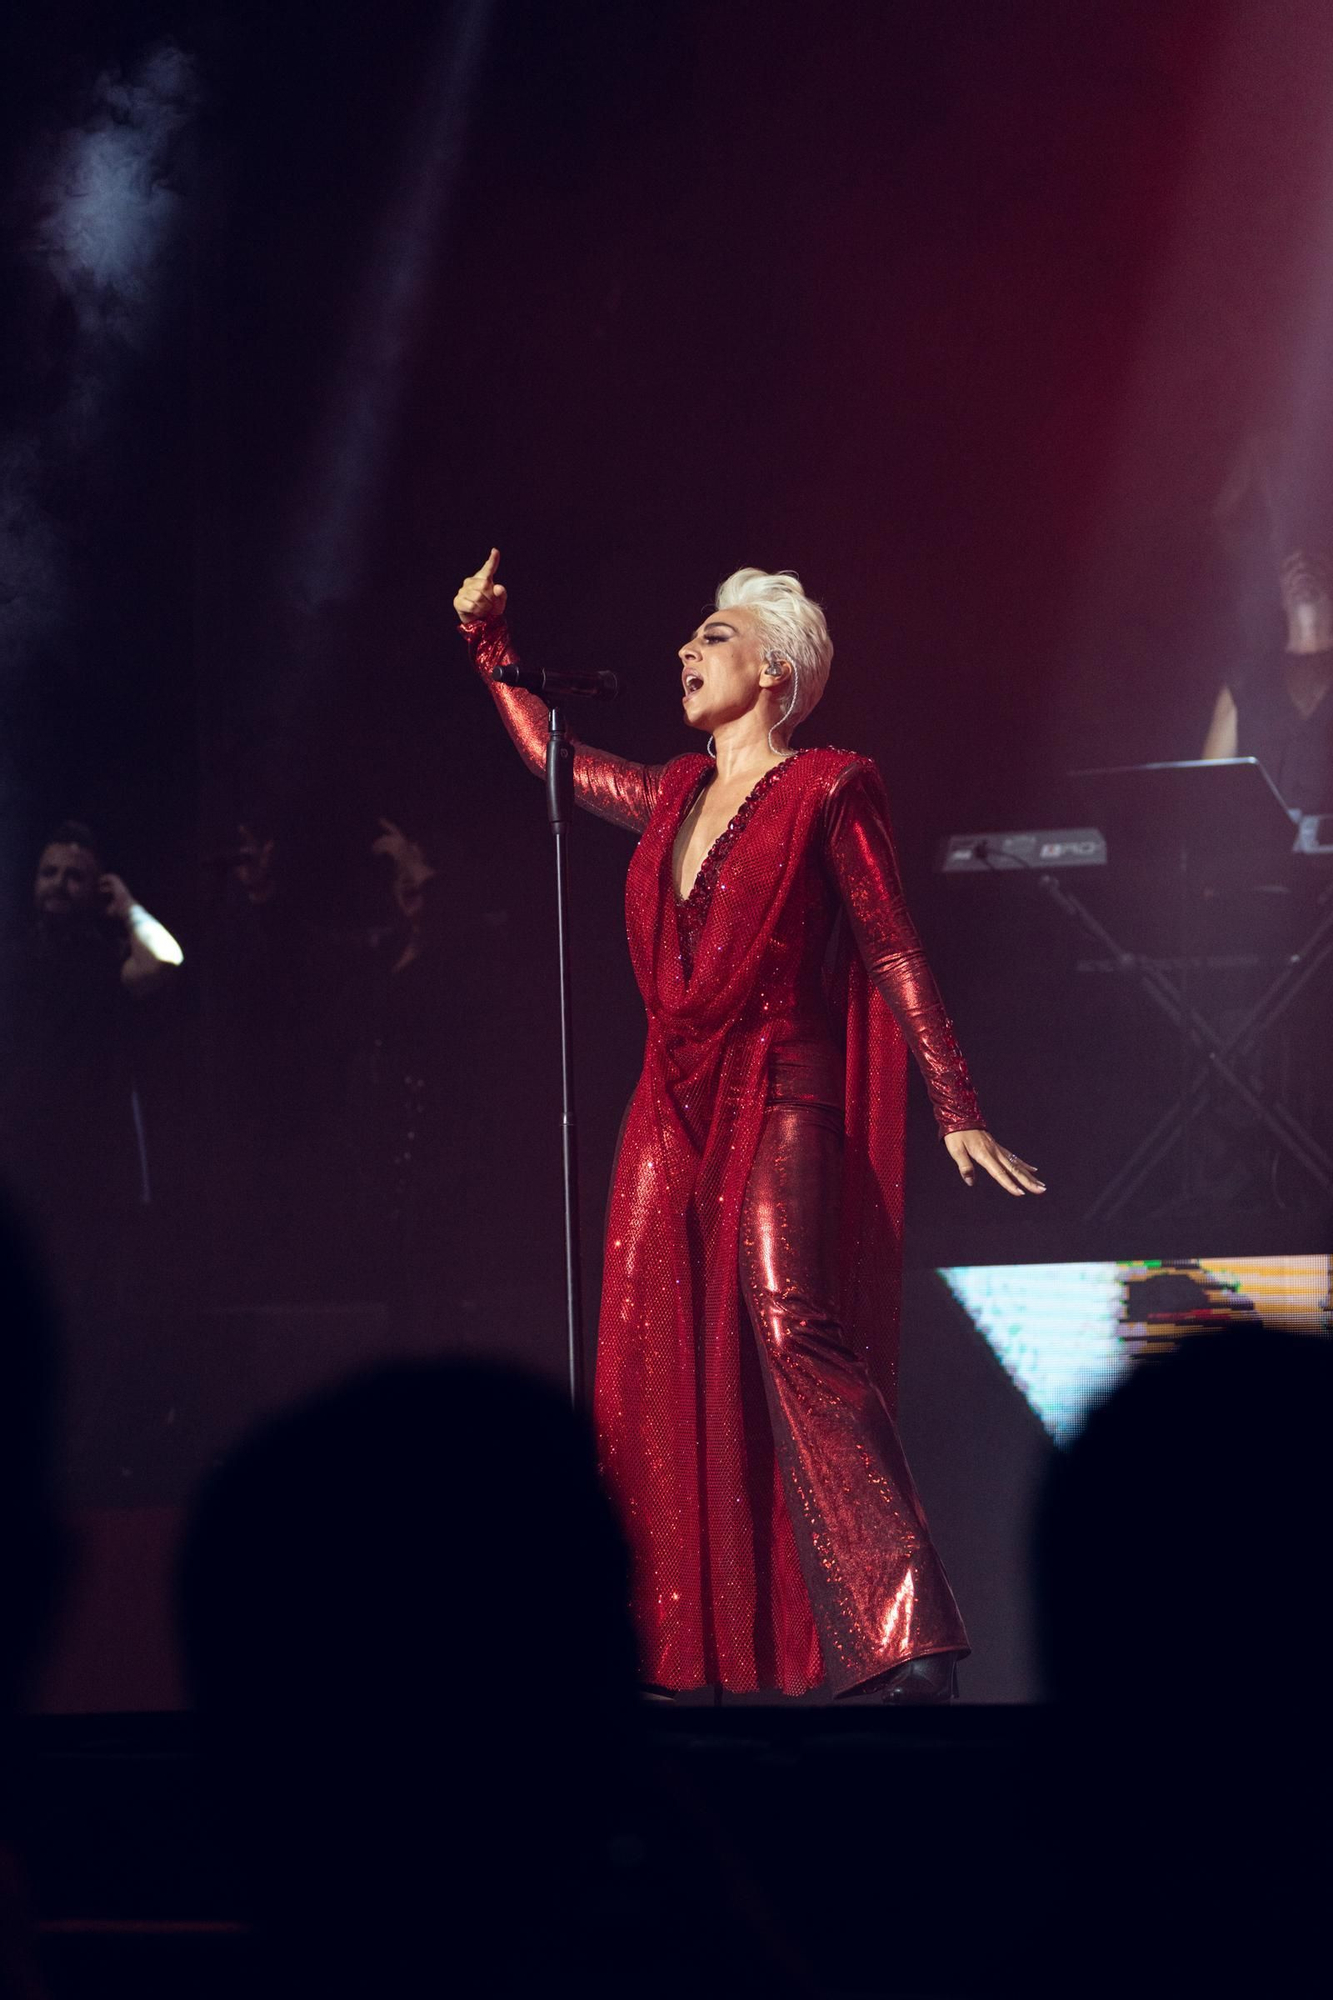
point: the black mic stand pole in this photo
(560, 811)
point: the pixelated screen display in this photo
(1064, 1333)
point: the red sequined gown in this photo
(746, 1349)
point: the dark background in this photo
(961, 309)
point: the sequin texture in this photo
(750, 1290)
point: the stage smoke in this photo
(342, 491)
(103, 207)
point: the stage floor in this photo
(842, 1817)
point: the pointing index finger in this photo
(491, 564)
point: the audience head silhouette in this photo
(426, 1534)
(1183, 1598)
(1190, 1512)
(31, 1544)
(405, 1626)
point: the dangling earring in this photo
(712, 749)
(782, 719)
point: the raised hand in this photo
(970, 1150)
(480, 597)
(116, 898)
(407, 855)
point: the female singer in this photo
(778, 1539)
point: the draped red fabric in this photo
(669, 1403)
(795, 939)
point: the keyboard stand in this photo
(1211, 1053)
(1201, 823)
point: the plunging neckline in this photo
(713, 852)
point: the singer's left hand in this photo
(973, 1149)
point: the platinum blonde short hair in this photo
(791, 627)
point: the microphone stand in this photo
(553, 688)
(560, 812)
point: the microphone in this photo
(554, 686)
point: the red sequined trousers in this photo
(779, 1541)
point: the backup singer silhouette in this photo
(778, 1539)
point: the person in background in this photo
(410, 1104)
(72, 1133)
(276, 981)
(80, 906)
(341, 1084)
(1275, 705)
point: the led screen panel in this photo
(1065, 1333)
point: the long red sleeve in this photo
(860, 851)
(614, 788)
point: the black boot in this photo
(932, 1678)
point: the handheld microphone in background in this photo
(554, 686)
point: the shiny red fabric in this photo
(876, 1592)
(777, 1537)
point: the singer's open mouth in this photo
(692, 683)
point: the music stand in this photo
(1212, 814)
